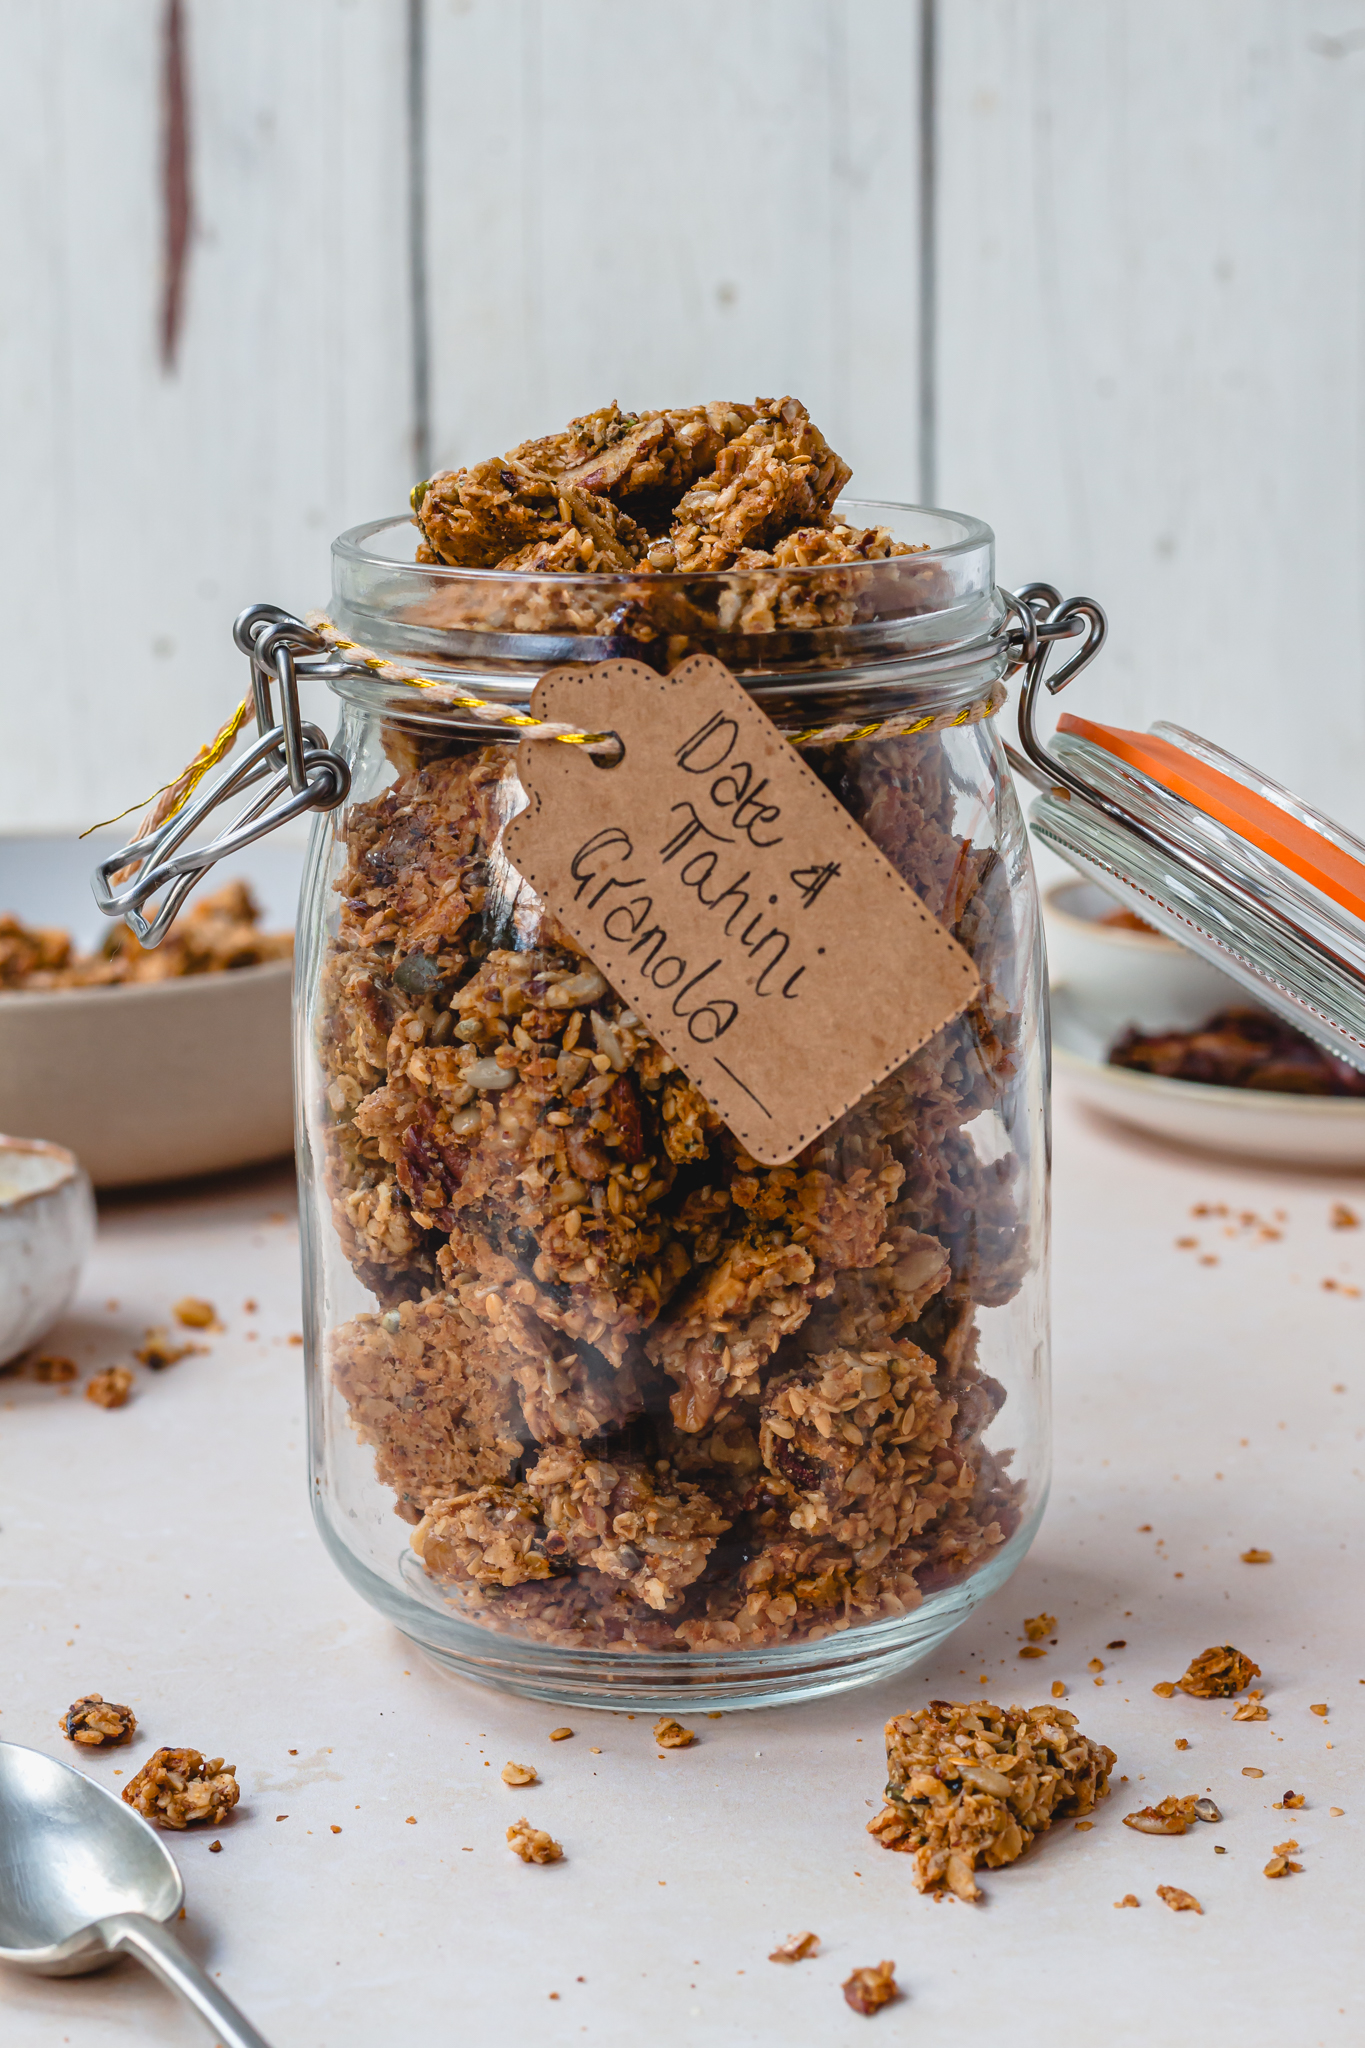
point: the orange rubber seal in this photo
(1220, 796)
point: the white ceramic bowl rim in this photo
(1276, 1101)
(62, 1166)
(177, 988)
(1105, 934)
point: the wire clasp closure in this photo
(1045, 618)
(289, 766)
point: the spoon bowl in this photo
(70, 1855)
(84, 1878)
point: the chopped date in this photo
(803, 1472)
(624, 1105)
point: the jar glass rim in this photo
(929, 619)
(971, 534)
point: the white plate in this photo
(1302, 1130)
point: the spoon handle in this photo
(157, 1948)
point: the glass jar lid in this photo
(1216, 855)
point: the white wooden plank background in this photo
(140, 510)
(1150, 294)
(1152, 320)
(673, 202)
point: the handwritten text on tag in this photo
(770, 947)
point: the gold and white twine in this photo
(174, 795)
(899, 725)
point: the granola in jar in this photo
(632, 1390)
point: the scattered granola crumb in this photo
(1128, 1899)
(1181, 1742)
(1207, 1809)
(51, 1369)
(1294, 1799)
(196, 1314)
(1171, 1816)
(1251, 1709)
(215, 1848)
(1033, 1650)
(868, 1990)
(594, 1752)
(411, 1821)
(533, 1845)
(110, 1388)
(560, 1734)
(1058, 1689)
(176, 1789)
(1250, 1771)
(1186, 1244)
(1218, 1673)
(1178, 1901)
(1095, 1664)
(1040, 1626)
(520, 1774)
(1083, 1827)
(335, 1829)
(670, 1734)
(796, 1948)
(1119, 1643)
(1280, 1864)
(1320, 1710)
(1219, 1850)
(159, 1350)
(1165, 1690)
(97, 1722)
(1343, 1218)
(1257, 1557)
(1336, 1811)
(977, 1783)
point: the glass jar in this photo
(602, 1411)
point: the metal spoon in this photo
(83, 1877)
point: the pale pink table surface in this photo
(163, 1554)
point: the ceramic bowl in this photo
(47, 1225)
(158, 1080)
(1297, 1130)
(1118, 978)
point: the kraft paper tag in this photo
(742, 913)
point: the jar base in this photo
(727, 1681)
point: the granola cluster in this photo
(176, 1788)
(974, 1785)
(634, 1390)
(533, 1845)
(745, 489)
(869, 1989)
(217, 933)
(1218, 1674)
(98, 1723)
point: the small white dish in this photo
(1117, 977)
(47, 1225)
(1299, 1130)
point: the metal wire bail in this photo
(289, 766)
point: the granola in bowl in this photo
(216, 934)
